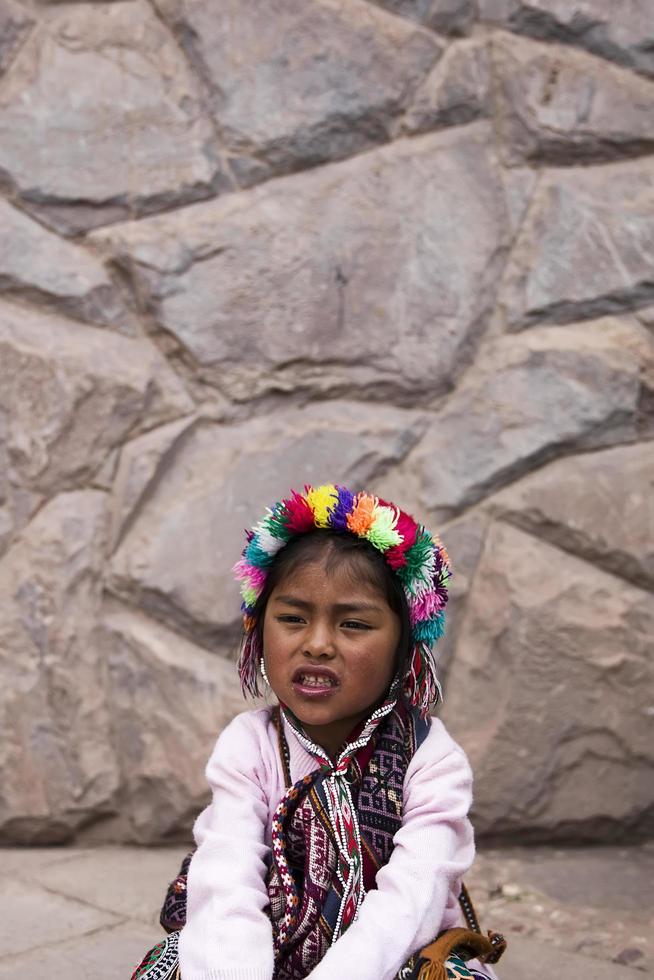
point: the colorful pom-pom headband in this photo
(419, 561)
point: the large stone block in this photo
(38, 265)
(559, 106)
(175, 557)
(15, 25)
(447, 16)
(586, 246)
(317, 81)
(59, 771)
(72, 392)
(550, 695)
(457, 91)
(169, 701)
(623, 34)
(348, 277)
(138, 469)
(131, 139)
(530, 397)
(599, 506)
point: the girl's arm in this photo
(228, 935)
(433, 849)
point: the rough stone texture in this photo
(37, 264)
(530, 398)
(73, 392)
(440, 289)
(558, 105)
(584, 911)
(58, 768)
(140, 462)
(555, 655)
(131, 139)
(15, 24)
(598, 505)
(447, 16)
(593, 902)
(317, 81)
(294, 285)
(187, 695)
(586, 246)
(624, 34)
(218, 478)
(457, 91)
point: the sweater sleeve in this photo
(434, 847)
(228, 935)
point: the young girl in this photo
(338, 832)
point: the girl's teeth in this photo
(313, 681)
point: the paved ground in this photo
(90, 914)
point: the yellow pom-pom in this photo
(322, 500)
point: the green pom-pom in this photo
(382, 532)
(418, 560)
(249, 595)
(274, 522)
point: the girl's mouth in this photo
(314, 682)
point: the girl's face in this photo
(330, 647)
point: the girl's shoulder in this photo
(249, 740)
(438, 751)
(256, 721)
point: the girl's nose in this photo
(319, 642)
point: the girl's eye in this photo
(289, 618)
(355, 624)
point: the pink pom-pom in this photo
(407, 528)
(424, 606)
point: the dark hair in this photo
(339, 551)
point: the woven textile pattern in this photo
(173, 913)
(376, 777)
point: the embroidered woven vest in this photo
(376, 778)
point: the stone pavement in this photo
(91, 913)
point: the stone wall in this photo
(407, 245)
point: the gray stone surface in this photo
(317, 81)
(188, 695)
(585, 247)
(457, 91)
(39, 265)
(128, 881)
(58, 768)
(555, 654)
(132, 139)
(587, 909)
(597, 505)
(15, 25)
(440, 289)
(222, 479)
(95, 956)
(446, 16)
(558, 105)
(531, 397)
(524, 892)
(59, 918)
(623, 35)
(312, 282)
(49, 367)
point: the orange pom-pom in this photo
(360, 519)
